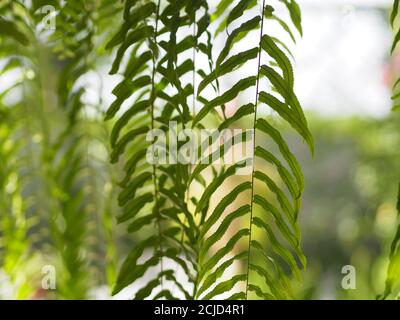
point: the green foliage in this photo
(15, 223)
(393, 272)
(48, 172)
(194, 231)
(190, 234)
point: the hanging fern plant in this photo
(158, 49)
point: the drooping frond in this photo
(273, 219)
(15, 221)
(395, 13)
(57, 189)
(149, 96)
(73, 166)
(157, 49)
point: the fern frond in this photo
(16, 224)
(393, 271)
(152, 77)
(58, 192)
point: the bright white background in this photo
(342, 58)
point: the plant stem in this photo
(254, 147)
(152, 99)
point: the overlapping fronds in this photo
(150, 95)
(15, 222)
(76, 181)
(153, 61)
(393, 271)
